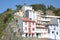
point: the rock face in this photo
(11, 31)
(49, 12)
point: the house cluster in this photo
(35, 24)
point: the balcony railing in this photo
(41, 30)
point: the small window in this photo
(29, 29)
(52, 31)
(33, 29)
(57, 33)
(33, 23)
(26, 28)
(29, 24)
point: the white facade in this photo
(31, 14)
(54, 31)
(58, 22)
(24, 8)
(46, 18)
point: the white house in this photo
(26, 7)
(54, 29)
(30, 14)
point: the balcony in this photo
(44, 19)
(40, 26)
(41, 30)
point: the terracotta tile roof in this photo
(27, 20)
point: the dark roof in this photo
(53, 22)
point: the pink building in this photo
(29, 27)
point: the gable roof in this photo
(53, 22)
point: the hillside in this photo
(5, 18)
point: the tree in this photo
(18, 7)
(39, 7)
(57, 12)
(5, 18)
(51, 7)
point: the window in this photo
(33, 23)
(57, 33)
(33, 29)
(52, 31)
(29, 24)
(26, 28)
(29, 29)
(25, 23)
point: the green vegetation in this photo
(39, 7)
(18, 7)
(57, 12)
(5, 18)
(51, 7)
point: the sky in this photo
(4, 4)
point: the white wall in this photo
(52, 35)
(24, 8)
